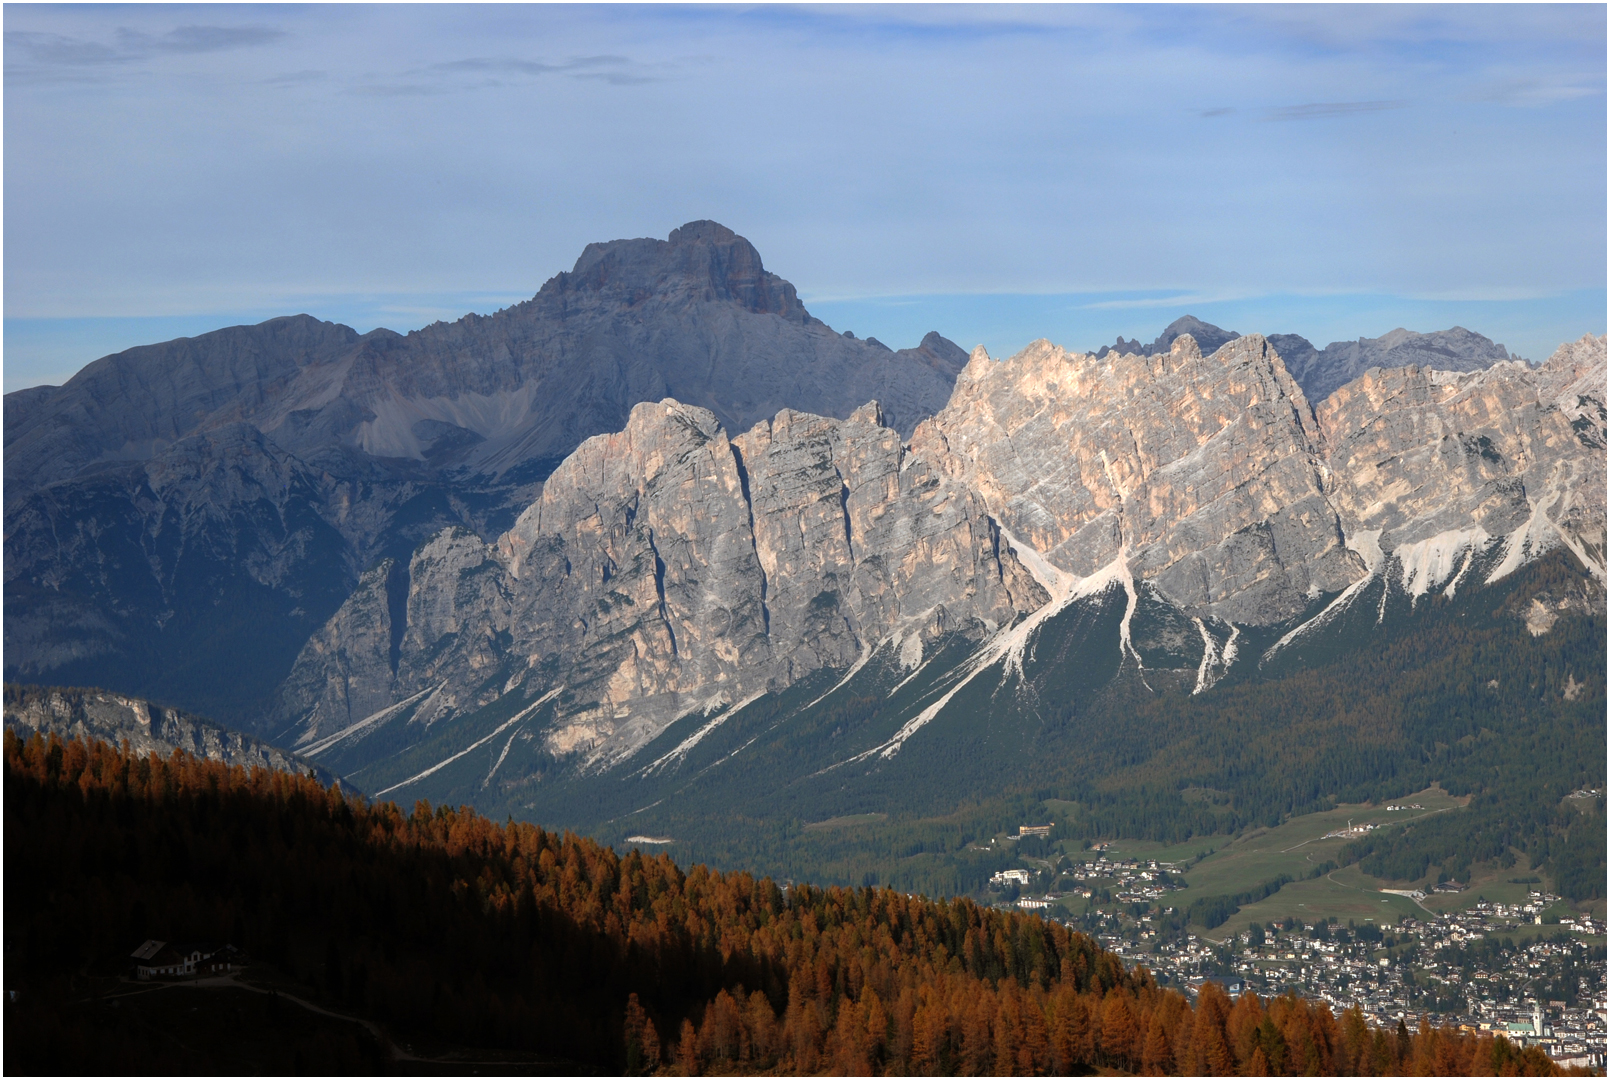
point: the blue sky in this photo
(998, 173)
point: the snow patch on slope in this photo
(1426, 564)
(1366, 544)
(860, 662)
(1540, 534)
(1210, 658)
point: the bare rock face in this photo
(347, 668)
(1213, 479)
(1200, 475)
(696, 316)
(1320, 372)
(1433, 465)
(666, 569)
(1573, 381)
(147, 728)
(1207, 337)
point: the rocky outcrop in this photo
(1207, 337)
(696, 316)
(1573, 381)
(1321, 372)
(147, 728)
(668, 568)
(1213, 479)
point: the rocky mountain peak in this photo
(1321, 371)
(1573, 380)
(265, 465)
(702, 258)
(1207, 336)
(705, 231)
(1170, 468)
(941, 354)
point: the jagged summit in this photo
(1208, 338)
(1322, 371)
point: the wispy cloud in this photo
(515, 66)
(499, 71)
(296, 78)
(197, 39)
(45, 57)
(619, 78)
(409, 89)
(1221, 111)
(59, 49)
(1173, 300)
(1483, 296)
(1321, 110)
(1531, 93)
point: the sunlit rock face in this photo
(667, 568)
(1202, 474)
(1214, 479)
(1433, 460)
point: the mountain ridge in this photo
(1224, 515)
(144, 727)
(1321, 372)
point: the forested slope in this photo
(449, 926)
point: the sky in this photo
(998, 173)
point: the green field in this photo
(1297, 847)
(1231, 865)
(1345, 895)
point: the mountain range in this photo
(181, 517)
(1320, 372)
(657, 546)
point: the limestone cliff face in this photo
(1320, 372)
(165, 491)
(1430, 463)
(667, 568)
(1214, 480)
(1199, 474)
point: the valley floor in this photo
(1488, 953)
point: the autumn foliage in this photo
(442, 922)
